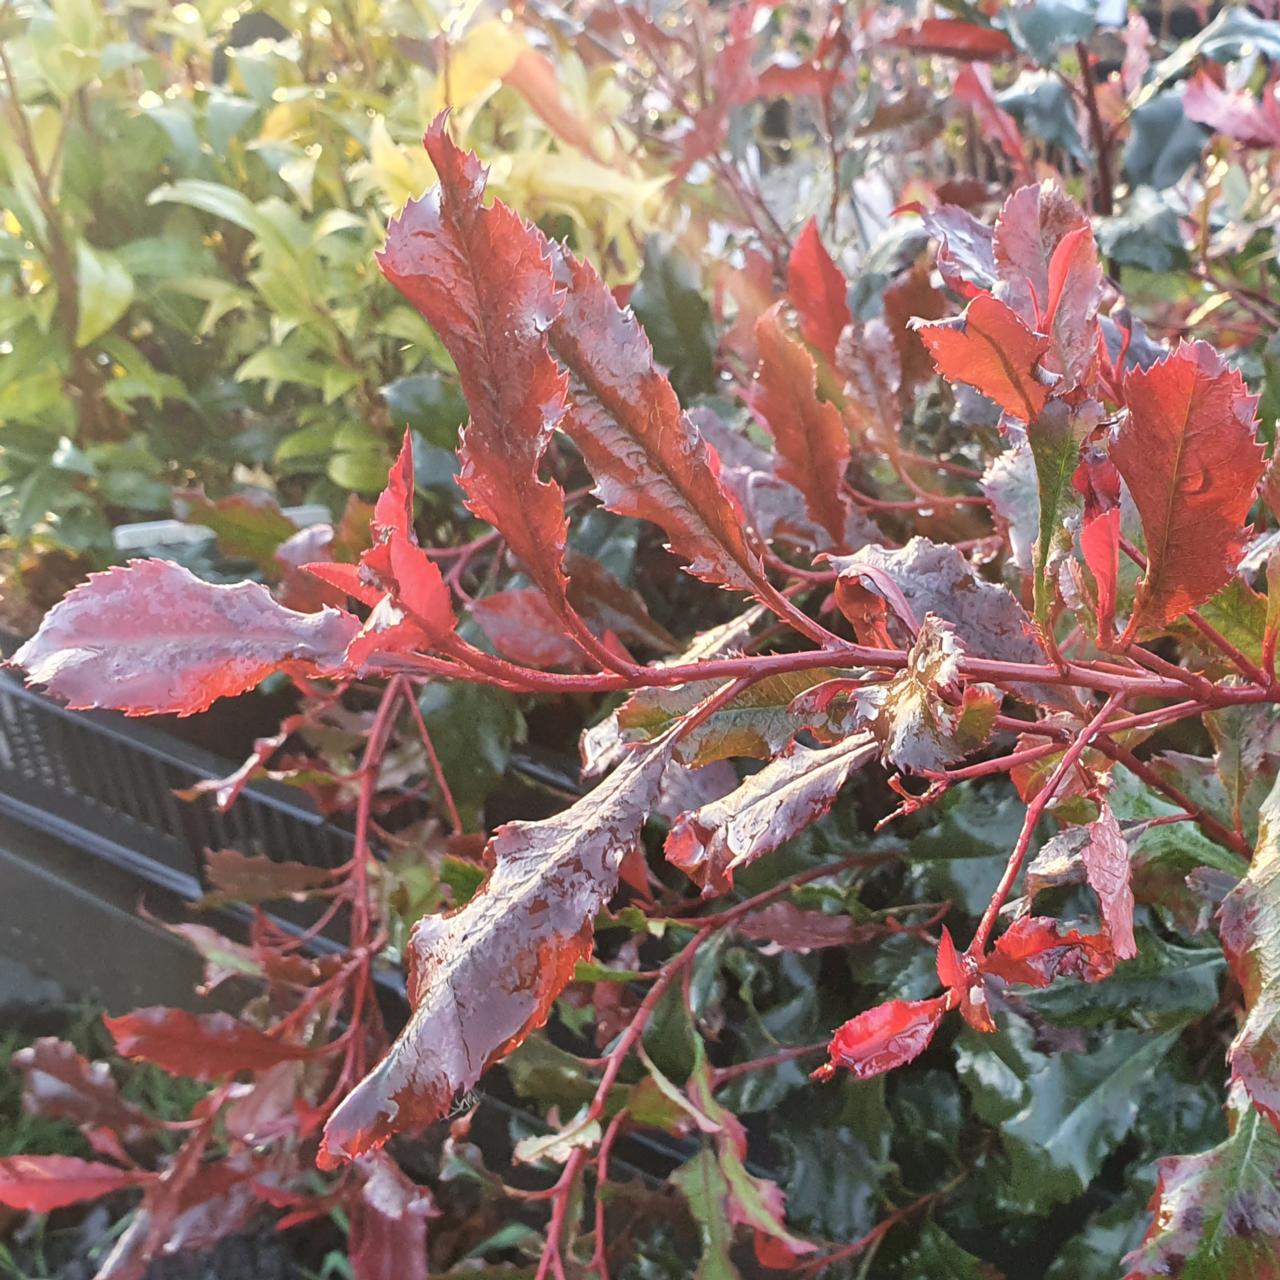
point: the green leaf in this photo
(1166, 986)
(473, 727)
(1059, 1116)
(364, 471)
(937, 1255)
(1218, 1214)
(668, 300)
(756, 723)
(1044, 26)
(263, 221)
(1163, 143)
(1055, 437)
(432, 407)
(706, 1190)
(104, 290)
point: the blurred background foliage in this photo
(192, 197)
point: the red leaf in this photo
(1035, 950)
(647, 458)
(954, 38)
(797, 80)
(789, 794)
(388, 1215)
(1106, 865)
(482, 977)
(950, 971)
(882, 1038)
(966, 254)
(420, 589)
(818, 291)
(961, 975)
(346, 578)
(812, 443)
(734, 84)
(251, 878)
(1050, 274)
(481, 278)
(59, 1082)
(1188, 452)
(204, 1046)
(991, 349)
(1251, 121)
(386, 631)
(521, 626)
(151, 637)
(912, 297)
(973, 87)
(40, 1184)
(392, 514)
(1098, 481)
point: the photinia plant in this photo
(1040, 635)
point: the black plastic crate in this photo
(106, 784)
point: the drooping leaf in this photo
(706, 1190)
(923, 718)
(818, 291)
(484, 976)
(1217, 1214)
(1106, 864)
(991, 349)
(40, 1184)
(150, 637)
(249, 878)
(481, 278)
(710, 843)
(1038, 949)
(57, 1081)
(757, 723)
(522, 627)
(204, 1046)
(887, 1036)
(808, 433)
(646, 456)
(1250, 931)
(388, 1215)
(1187, 451)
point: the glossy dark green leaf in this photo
(670, 302)
(427, 403)
(1165, 986)
(1060, 1116)
(1163, 143)
(473, 728)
